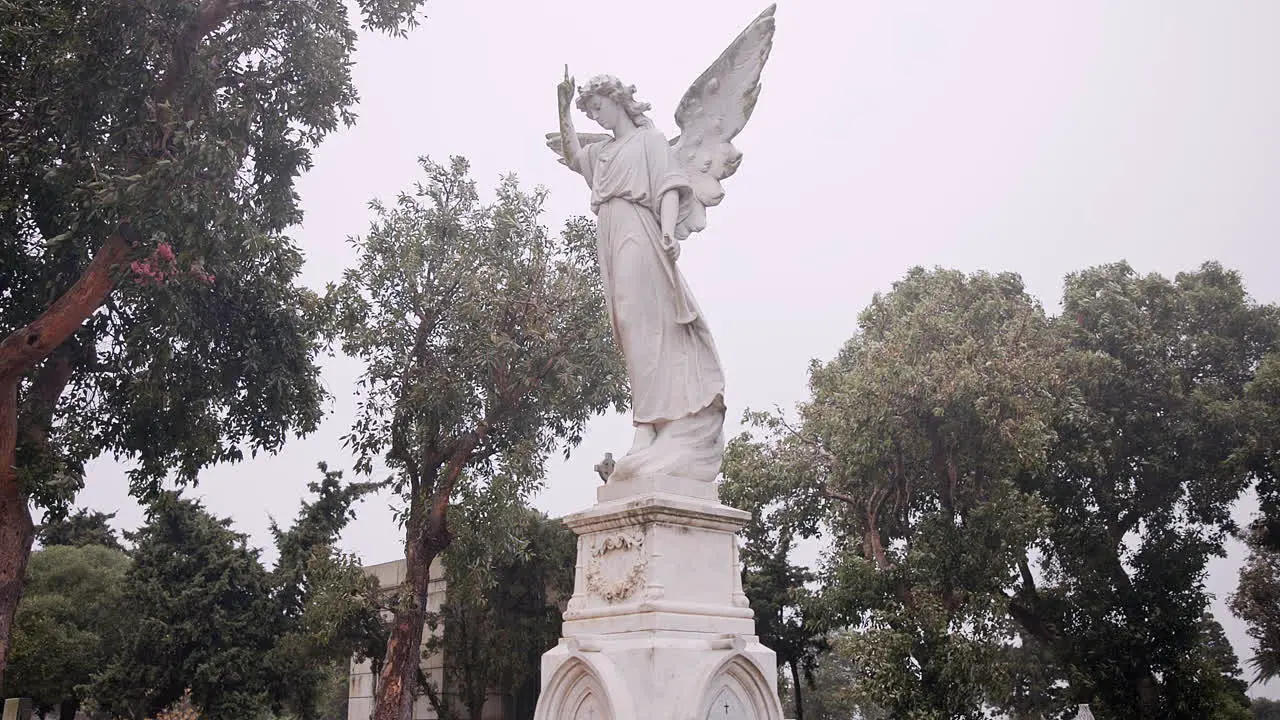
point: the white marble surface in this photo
(658, 625)
(649, 194)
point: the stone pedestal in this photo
(658, 626)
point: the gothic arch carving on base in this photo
(736, 689)
(578, 691)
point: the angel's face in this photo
(604, 111)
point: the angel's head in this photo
(605, 99)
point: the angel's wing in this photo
(714, 111)
(584, 139)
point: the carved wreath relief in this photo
(617, 564)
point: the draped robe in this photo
(676, 379)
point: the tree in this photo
(209, 620)
(1217, 689)
(326, 604)
(908, 450)
(85, 527)
(202, 617)
(835, 695)
(149, 306)
(1263, 395)
(1156, 438)
(508, 567)
(71, 622)
(994, 478)
(486, 345)
(1035, 683)
(784, 611)
(1257, 602)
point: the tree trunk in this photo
(20, 353)
(68, 708)
(393, 697)
(795, 682)
(16, 529)
(427, 535)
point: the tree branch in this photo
(428, 688)
(26, 347)
(1032, 622)
(35, 417)
(811, 441)
(206, 19)
(837, 495)
(1028, 580)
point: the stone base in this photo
(658, 625)
(649, 484)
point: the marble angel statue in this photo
(650, 194)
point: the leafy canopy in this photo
(510, 570)
(474, 319)
(84, 527)
(486, 347)
(175, 130)
(206, 621)
(1028, 503)
(72, 620)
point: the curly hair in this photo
(611, 87)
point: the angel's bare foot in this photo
(645, 435)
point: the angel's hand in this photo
(566, 89)
(671, 246)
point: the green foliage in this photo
(1210, 683)
(205, 616)
(909, 449)
(1263, 394)
(788, 620)
(326, 603)
(190, 121)
(834, 694)
(486, 347)
(317, 526)
(1257, 602)
(509, 568)
(1156, 440)
(202, 617)
(71, 621)
(84, 527)
(473, 316)
(1021, 507)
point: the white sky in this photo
(1039, 138)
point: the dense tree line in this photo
(187, 612)
(509, 575)
(183, 613)
(1019, 506)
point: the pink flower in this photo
(162, 266)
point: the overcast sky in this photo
(1038, 138)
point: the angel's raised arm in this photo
(569, 145)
